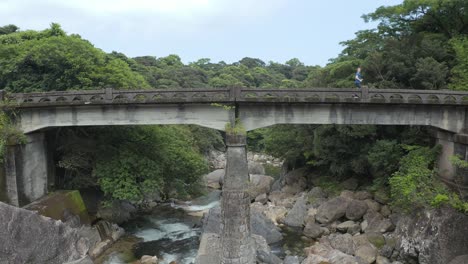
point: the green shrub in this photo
(415, 183)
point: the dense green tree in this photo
(52, 61)
(460, 70)
(8, 29)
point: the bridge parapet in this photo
(111, 96)
(236, 94)
(335, 95)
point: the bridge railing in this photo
(364, 95)
(236, 94)
(111, 96)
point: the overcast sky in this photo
(226, 30)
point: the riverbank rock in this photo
(209, 251)
(256, 168)
(214, 179)
(217, 159)
(332, 210)
(295, 181)
(323, 253)
(356, 209)
(313, 230)
(149, 260)
(297, 215)
(434, 236)
(460, 260)
(367, 253)
(263, 226)
(342, 242)
(259, 184)
(264, 254)
(27, 237)
(118, 212)
(67, 206)
(275, 213)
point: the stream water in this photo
(171, 232)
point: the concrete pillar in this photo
(445, 139)
(26, 168)
(11, 154)
(237, 245)
(453, 145)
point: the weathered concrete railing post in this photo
(108, 94)
(364, 93)
(237, 246)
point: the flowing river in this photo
(171, 232)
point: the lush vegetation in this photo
(419, 44)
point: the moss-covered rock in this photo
(61, 205)
(377, 239)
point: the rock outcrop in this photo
(27, 237)
(435, 236)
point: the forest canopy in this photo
(418, 44)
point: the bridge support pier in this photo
(26, 170)
(237, 245)
(453, 144)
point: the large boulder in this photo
(279, 198)
(275, 213)
(209, 250)
(463, 259)
(356, 209)
(367, 253)
(118, 212)
(263, 226)
(297, 215)
(27, 237)
(434, 236)
(292, 260)
(342, 242)
(316, 192)
(377, 223)
(313, 230)
(256, 168)
(259, 184)
(332, 210)
(263, 251)
(67, 206)
(295, 181)
(323, 253)
(217, 159)
(214, 179)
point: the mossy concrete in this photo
(55, 205)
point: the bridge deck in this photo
(238, 95)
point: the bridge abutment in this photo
(237, 245)
(452, 145)
(26, 170)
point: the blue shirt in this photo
(357, 78)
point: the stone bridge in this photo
(28, 166)
(255, 107)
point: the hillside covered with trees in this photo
(419, 44)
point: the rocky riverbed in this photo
(349, 226)
(295, 219)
